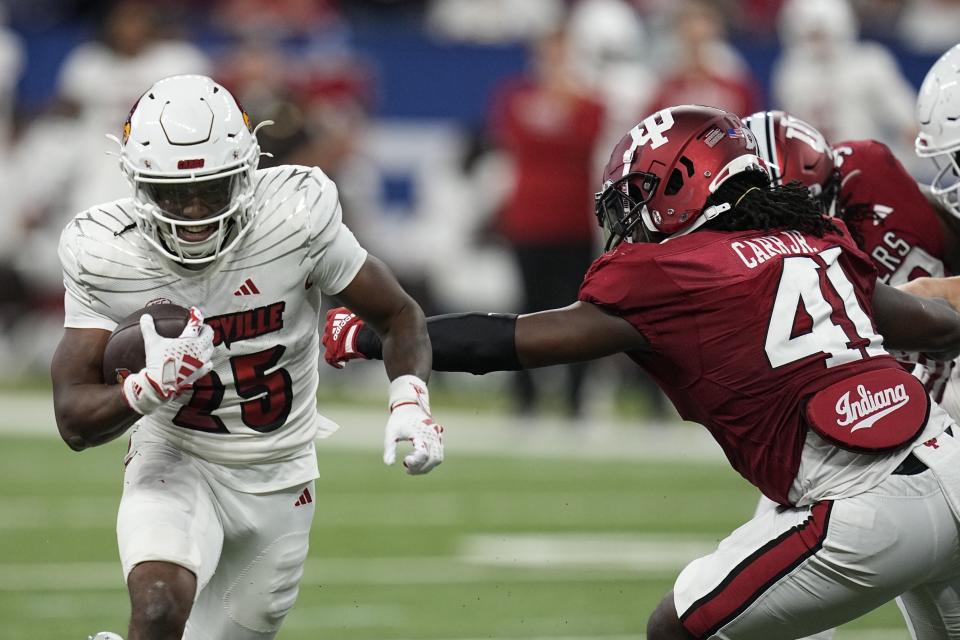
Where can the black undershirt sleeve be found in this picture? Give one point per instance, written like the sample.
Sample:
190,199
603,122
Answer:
476,343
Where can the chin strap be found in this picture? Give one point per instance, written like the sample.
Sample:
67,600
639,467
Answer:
708,214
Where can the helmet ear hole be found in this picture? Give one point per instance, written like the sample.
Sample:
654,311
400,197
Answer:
674,184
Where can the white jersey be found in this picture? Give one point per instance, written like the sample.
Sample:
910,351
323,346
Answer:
257,407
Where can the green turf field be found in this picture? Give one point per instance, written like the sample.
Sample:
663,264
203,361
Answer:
485,547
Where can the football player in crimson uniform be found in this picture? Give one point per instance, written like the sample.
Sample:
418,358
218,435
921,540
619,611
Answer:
862,182
218,489
761,320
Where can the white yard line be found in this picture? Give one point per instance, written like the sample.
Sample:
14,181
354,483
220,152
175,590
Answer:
482,559
31,414
436,508
643,554
81,576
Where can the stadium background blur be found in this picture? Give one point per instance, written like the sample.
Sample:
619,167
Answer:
550,519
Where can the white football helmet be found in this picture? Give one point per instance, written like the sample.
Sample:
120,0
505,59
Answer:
938,116
189,152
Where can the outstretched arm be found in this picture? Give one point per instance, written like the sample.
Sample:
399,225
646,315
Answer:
581,331
483,342
911,323
945,289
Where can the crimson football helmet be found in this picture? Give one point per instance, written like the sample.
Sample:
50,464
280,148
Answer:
661,173
795,150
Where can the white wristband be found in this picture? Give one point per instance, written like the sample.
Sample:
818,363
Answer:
409,390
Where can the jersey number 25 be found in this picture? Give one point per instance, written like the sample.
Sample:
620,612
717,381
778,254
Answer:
269,396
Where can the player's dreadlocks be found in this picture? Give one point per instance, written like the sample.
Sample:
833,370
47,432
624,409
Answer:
757,205
854,213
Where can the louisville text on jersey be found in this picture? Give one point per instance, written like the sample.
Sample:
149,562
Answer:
245,325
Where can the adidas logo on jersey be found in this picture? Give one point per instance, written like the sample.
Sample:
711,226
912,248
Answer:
247,289
305,498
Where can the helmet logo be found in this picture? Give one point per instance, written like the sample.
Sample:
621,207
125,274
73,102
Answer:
804,132
126,123
650,130
196,163
243,112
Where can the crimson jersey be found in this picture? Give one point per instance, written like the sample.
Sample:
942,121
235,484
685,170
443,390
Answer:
744,326
900,231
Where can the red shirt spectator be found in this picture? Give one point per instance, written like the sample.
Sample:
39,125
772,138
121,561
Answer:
550,139
708,70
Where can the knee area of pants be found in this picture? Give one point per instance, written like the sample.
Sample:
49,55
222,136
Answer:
266,590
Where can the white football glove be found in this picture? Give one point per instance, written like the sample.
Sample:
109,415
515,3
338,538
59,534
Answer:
172,364
410,420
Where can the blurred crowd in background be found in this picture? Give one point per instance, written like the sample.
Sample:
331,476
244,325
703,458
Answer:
466,136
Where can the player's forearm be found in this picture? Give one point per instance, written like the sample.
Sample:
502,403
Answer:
91,414
475,343
912,323
405,345
944,288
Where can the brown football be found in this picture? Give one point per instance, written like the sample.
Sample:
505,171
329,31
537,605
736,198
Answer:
124,350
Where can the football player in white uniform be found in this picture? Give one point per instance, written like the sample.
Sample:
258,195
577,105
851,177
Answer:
221,466
937,113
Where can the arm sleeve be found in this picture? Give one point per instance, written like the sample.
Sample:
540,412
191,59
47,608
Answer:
335,251
81,309
475,343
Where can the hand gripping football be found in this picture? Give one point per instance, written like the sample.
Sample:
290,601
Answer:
124,351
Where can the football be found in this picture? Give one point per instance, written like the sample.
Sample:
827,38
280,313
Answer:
124,349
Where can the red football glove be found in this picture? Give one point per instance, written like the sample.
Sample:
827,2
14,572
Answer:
340,337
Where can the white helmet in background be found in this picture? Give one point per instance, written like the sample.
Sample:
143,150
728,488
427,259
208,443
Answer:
189,152
938,116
